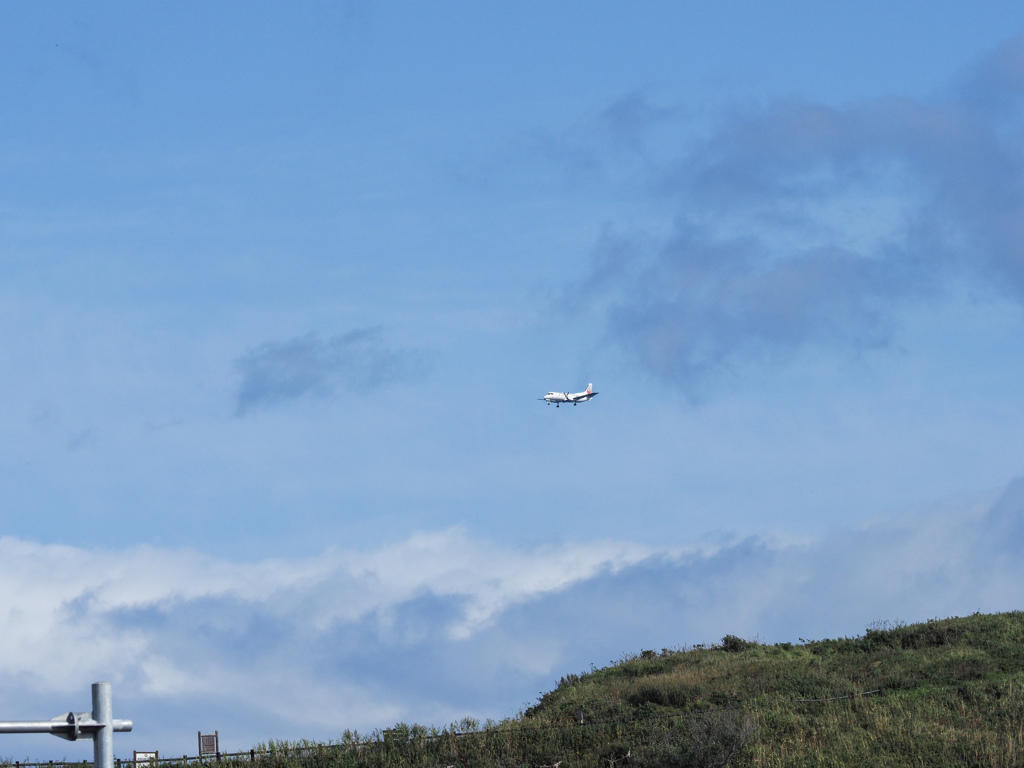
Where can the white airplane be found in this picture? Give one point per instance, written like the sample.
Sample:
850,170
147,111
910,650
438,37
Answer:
568,397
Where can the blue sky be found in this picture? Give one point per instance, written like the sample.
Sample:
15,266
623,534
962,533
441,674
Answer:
280,286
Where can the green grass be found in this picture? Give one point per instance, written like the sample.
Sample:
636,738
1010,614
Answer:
949,693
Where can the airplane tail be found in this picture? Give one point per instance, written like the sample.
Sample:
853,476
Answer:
590,388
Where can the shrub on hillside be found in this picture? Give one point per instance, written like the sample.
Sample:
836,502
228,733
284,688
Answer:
734,644
709,740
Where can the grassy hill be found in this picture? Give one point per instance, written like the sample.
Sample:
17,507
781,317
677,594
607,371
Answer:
942,693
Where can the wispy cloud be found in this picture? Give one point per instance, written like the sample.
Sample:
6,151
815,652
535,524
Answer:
318,642
802,226
309,366
442,625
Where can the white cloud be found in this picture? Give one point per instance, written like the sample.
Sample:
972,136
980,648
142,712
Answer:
60,600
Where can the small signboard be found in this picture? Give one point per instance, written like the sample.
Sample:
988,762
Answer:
209,743
146,758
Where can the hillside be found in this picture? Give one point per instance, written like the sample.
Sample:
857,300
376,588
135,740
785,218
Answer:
941,693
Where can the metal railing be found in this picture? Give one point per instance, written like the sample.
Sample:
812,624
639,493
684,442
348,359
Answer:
252,756
98,725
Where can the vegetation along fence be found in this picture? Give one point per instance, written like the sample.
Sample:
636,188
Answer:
275,752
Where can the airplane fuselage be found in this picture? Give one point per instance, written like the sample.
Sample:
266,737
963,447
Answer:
569,397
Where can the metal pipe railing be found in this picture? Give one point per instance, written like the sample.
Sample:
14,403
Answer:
98,725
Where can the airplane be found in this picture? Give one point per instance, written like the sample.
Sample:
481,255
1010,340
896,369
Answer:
568,397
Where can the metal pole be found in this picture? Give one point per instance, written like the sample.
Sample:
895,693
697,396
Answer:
102,713
97,725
